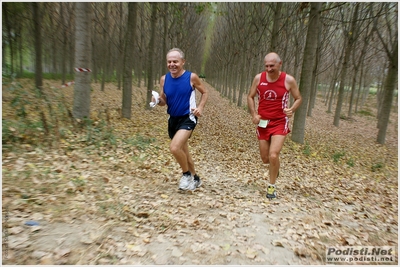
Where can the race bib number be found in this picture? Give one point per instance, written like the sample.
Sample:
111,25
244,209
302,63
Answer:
263,123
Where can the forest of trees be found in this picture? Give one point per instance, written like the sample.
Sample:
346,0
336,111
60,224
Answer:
343,50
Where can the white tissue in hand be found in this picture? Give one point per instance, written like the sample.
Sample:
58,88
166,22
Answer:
156,98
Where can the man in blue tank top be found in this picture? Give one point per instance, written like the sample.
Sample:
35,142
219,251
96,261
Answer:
178,93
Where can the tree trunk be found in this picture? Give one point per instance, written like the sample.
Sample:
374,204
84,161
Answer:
314,81
349,46
20,51
352,94
165,34
128,61
359,89
153,21
310,51
389,87
242,82
105,55
120,56
9,35
64,44
141,64
37,20
275,28
81,106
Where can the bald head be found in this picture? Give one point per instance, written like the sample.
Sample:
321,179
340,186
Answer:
272,57
273,64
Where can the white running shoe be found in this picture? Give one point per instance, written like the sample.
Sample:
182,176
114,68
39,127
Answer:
186,182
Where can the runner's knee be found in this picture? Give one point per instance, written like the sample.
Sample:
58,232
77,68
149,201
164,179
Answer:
274,156
174,149
265,159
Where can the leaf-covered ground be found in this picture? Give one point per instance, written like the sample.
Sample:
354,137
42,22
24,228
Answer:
115,200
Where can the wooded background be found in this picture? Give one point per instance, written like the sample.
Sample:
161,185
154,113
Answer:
344,51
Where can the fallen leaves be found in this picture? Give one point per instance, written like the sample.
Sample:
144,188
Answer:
133,186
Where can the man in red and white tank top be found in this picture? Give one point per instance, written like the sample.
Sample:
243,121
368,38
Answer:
272,87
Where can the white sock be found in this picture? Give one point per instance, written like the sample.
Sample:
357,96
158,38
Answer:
273,185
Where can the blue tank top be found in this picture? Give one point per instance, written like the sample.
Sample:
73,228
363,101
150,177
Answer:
180,94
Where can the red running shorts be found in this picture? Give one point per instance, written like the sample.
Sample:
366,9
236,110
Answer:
274,127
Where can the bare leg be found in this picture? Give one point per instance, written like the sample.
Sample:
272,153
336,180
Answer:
189,158
264,150
179,149
275,148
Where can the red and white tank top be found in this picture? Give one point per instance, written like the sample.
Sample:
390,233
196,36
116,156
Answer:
272,97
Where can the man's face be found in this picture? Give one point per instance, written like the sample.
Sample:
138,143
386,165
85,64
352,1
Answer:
271,66
175,62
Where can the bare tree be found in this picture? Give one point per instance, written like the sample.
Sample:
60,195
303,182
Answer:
349,43
37,19
63,42
310,52
8,27
390,44
150,74
81,105
358,59
241,35
105,47
128,61
275,28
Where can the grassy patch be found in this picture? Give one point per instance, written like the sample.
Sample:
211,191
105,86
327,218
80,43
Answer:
337,156
307,149
366,113
377,167
140,142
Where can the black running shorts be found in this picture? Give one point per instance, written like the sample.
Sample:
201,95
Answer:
187,122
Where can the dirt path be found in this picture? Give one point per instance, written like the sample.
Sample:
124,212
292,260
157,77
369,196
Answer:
129,210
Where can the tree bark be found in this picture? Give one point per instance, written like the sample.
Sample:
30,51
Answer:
37,20
153,21
389,87
81,105
128,61
310,51
275,28
105,56
348,47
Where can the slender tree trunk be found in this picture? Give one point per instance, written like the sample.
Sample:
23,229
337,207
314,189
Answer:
242,76
141,62
349,46
359,90
94,55
275,28
20,52
54,49
389,87
352,94
37,19
120,56
64,44
9,35
153,21
105,55
314,81
165,34
310,51
81,105
129,59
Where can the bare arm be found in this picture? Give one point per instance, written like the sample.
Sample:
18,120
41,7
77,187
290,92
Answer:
250,99
194,78
291,85
163,98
